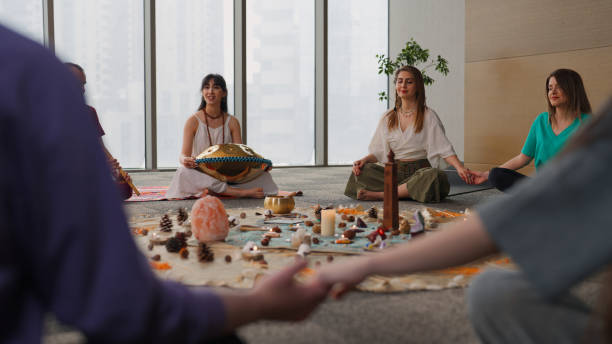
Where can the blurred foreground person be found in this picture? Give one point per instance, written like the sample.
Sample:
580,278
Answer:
67,249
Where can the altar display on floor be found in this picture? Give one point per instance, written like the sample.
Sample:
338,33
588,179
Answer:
259,242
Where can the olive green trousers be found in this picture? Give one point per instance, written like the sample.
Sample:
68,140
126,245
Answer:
424,183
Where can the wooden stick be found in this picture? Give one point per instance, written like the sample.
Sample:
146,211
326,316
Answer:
249,228
122,172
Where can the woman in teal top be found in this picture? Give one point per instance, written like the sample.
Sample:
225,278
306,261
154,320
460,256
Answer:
568,108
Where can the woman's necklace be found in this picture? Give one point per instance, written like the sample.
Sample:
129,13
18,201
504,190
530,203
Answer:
208,129
407,113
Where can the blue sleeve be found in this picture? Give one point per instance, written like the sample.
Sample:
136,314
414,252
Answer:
70,230
529,148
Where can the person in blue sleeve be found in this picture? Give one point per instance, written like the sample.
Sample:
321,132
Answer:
66,245
568,109
555,227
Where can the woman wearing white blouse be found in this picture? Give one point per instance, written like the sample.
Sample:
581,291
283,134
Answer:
416,135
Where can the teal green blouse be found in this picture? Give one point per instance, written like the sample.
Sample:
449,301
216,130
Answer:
542,144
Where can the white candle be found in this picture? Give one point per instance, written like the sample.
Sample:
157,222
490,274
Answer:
328,222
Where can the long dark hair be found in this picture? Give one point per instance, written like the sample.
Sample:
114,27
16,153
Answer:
392,116
571,84
217,81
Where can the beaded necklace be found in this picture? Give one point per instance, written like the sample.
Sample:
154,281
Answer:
208,130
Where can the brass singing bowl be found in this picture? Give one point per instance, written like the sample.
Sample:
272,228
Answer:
279,204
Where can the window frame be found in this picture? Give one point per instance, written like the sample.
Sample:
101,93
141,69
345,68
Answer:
240,87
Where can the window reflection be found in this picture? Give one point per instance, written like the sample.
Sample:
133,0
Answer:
106,37
194,38
357,31
23,16
280,80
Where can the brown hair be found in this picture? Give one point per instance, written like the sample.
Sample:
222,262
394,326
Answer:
392,116
571,84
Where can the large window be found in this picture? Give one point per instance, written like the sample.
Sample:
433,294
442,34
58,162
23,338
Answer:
106,37
194,38
280,80
357,31
23,16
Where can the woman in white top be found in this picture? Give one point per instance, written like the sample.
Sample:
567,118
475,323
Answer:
416,136
212,125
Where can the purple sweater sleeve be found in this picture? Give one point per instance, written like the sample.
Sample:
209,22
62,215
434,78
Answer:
78,259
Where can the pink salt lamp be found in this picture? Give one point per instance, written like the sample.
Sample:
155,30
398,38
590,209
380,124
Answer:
209,219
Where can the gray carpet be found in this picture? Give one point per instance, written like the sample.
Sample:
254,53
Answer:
410,317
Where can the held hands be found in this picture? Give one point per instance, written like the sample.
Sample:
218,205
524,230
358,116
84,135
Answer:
466,175
357,166
479,177
343,277
188,162
280,297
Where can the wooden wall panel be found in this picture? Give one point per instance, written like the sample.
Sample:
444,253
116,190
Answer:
504,96
502,28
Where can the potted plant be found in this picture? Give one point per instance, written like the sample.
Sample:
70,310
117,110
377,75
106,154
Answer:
411,55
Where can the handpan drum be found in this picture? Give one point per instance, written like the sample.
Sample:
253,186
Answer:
232,163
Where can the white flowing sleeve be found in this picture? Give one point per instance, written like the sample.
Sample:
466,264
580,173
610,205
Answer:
437,144
379,146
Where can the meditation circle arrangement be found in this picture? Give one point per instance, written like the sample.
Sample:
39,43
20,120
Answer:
232,163
215,246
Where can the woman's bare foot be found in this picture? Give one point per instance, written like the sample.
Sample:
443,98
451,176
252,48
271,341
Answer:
244,193
254,193
366,195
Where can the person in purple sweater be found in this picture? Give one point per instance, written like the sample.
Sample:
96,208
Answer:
67,248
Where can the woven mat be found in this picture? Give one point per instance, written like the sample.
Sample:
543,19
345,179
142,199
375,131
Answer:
149,193
158,193
239,273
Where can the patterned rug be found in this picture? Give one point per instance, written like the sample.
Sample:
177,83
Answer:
149,193
158,193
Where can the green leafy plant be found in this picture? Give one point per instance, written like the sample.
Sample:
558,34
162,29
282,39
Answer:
411,55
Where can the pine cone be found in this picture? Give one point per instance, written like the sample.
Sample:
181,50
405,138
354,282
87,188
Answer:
373,213
174,245
205,254
182,216
165,225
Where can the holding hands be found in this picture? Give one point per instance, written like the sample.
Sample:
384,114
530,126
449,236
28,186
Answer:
479,177
282,298
342,277
465,174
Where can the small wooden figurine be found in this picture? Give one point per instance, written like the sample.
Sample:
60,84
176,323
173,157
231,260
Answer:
390,203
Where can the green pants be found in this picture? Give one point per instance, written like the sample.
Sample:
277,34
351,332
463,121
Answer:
424,183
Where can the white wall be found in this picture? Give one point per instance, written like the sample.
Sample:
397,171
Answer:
437,25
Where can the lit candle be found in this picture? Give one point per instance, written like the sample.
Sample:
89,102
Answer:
250,252
328,222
